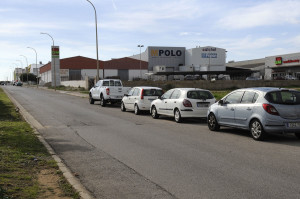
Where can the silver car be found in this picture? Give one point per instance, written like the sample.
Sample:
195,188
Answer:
260,110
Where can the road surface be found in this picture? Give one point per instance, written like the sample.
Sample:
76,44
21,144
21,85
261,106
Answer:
120,155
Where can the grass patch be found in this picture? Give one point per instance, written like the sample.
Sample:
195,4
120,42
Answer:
68,88
22,156
220,94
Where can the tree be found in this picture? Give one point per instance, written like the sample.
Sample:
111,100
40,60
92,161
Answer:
31,77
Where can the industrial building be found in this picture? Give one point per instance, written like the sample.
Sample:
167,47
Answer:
276,67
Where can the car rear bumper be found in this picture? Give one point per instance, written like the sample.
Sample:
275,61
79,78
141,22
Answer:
287,126
193,113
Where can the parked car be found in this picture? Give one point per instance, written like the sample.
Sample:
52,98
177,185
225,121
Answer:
252,78
290,77
279,78
18,84
182,103
140,98
260,110
107,91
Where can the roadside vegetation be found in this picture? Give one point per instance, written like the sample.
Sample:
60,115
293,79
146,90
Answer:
25,164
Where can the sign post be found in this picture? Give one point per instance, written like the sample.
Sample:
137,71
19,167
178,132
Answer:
55,66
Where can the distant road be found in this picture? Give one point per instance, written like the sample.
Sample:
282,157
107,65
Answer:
120,155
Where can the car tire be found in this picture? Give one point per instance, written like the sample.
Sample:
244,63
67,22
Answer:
91,100
154,112
212,122
257,130
102,101
123,109
297,135
177,116
136,109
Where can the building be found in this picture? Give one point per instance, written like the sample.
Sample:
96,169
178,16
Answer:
272,67
78,68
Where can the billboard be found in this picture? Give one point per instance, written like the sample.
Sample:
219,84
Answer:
166,56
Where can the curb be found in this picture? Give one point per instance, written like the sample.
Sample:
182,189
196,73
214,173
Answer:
83,192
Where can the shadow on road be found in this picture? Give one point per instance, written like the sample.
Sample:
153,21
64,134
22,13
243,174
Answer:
287,139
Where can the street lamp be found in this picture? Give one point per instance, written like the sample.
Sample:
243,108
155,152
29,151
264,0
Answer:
26,67
97,77
140,46
37,73
53,59
21,68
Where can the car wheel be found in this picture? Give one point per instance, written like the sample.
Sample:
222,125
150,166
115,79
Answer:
123,107
177,116
212,122
154,112
91,100
297,135
257,131
102,101
136,109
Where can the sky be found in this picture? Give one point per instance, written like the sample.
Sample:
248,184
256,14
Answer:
247,29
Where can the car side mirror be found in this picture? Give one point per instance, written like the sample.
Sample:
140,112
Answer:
126,95
221,102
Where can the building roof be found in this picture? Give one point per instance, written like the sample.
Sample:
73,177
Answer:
77,62
80,62
125,63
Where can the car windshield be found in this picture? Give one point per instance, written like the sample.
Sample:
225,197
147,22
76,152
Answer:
153,92
284,97
197,94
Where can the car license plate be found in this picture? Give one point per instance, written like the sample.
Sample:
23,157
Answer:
202,104
293,125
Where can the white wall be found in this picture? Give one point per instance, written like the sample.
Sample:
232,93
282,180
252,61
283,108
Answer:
46,77
206,56
75,83
136,74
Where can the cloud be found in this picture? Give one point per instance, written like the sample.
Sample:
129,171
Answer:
276,12
151,18
114,4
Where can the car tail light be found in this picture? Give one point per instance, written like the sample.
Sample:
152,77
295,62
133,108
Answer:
270,109
142,94
107,91
187,103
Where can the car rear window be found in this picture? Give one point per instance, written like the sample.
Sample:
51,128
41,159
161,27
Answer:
284,97
153,92
199,95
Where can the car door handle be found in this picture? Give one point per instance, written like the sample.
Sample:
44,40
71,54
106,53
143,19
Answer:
232,109
175,102
166,102
249,109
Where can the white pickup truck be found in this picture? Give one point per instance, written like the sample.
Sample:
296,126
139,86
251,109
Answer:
107,91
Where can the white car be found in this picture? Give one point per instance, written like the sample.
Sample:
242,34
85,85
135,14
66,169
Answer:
140,98
183,103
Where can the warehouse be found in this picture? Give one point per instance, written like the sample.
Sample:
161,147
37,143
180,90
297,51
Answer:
79,68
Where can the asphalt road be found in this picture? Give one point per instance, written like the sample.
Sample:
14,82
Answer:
120,155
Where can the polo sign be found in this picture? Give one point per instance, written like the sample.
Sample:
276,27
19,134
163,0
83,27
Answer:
166,53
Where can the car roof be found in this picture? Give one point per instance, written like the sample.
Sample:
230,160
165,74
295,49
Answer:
263,89
188,89
147,87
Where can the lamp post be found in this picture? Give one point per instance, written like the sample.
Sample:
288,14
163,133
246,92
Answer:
140,46
53,59
97,77
26,66
37,73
